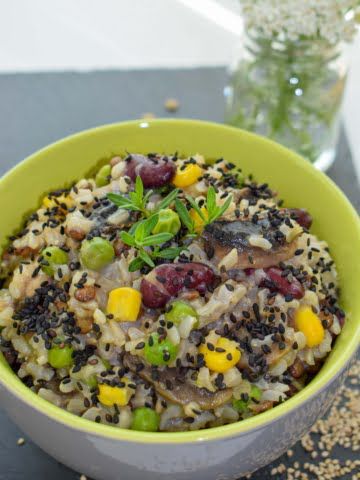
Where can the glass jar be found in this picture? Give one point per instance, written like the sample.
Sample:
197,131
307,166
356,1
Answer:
290,92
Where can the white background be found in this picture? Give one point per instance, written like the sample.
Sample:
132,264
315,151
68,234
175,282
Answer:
47,35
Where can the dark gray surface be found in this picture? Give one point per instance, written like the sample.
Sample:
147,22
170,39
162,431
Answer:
37,109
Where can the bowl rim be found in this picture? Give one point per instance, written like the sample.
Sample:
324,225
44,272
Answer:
13,384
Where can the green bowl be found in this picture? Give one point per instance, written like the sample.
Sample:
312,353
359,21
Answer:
222,452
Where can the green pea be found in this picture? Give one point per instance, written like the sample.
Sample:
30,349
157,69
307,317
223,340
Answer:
168,222
145,419
96,253
159,352
53,256
60,357
240,405
255,393
106,363
178,310
101,178
91,381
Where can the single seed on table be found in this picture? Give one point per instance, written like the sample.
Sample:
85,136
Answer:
20,441
148,115
171,104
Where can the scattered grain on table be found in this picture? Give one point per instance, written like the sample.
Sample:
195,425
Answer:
20,441
330,441
172,105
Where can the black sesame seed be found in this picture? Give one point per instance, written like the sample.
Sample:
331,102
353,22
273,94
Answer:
189,419
232,318
36,271
257,312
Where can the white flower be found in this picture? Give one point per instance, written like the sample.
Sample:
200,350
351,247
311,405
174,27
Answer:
329,20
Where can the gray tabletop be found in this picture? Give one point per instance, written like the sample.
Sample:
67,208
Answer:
37,109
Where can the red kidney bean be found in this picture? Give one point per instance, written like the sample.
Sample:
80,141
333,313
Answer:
153,296
302,216
132,161
249,271
276,283
154,172
168,280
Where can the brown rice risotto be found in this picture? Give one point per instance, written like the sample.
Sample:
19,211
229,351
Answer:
167,294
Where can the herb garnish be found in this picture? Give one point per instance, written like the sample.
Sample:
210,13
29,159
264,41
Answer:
211,213
142,237
140,234
137,201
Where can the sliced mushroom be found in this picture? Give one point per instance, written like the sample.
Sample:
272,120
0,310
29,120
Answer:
277,354
222,236
272,358
181,393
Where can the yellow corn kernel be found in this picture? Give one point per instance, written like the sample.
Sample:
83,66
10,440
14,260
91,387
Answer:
185,177
51,202
310,325
198,221
124,304
115,395
221,361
